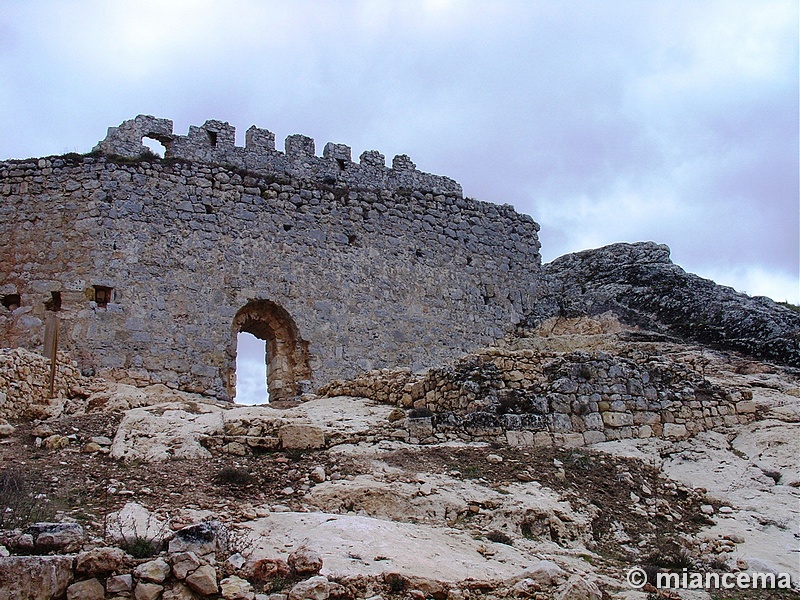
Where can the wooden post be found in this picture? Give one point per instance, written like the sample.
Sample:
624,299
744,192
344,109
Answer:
51,347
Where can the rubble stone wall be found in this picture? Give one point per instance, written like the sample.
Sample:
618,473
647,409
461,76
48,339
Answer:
148,261
25,384
529,398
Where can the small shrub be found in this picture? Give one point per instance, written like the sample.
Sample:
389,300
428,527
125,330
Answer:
140,547
233,476
20,503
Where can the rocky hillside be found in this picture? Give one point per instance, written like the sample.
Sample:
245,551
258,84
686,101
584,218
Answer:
644,288
642,416
152,493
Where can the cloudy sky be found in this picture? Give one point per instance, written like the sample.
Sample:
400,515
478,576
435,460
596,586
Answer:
673,120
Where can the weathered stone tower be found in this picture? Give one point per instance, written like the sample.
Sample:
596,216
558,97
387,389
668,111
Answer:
153,266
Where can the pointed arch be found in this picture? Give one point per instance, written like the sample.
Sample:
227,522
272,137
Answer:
288,371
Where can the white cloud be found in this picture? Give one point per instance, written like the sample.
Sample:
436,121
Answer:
757,281
620,120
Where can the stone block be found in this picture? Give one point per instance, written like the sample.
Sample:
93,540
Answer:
155,571
203,580
617,419
119,584
519,438
315,588
646,418
745,407
675,431
593,437
305,561
298,436
542,439
146,590
34,577
89,589
99,561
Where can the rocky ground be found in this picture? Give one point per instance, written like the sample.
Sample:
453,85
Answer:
391,519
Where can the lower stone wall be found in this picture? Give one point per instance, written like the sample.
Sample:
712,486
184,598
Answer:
25,384
529,398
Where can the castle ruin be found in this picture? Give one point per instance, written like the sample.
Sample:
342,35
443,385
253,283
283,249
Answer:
150,267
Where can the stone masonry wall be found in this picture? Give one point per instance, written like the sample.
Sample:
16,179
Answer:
528,398
148,262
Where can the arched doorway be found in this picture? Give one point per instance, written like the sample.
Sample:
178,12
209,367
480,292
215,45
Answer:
286,352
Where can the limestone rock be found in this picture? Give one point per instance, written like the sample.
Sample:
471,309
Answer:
34,577
315,588
61,537
644,288
146,590
119,584
90,589
579,588
203,580
6,428
184,563
299,436
133,522
200,538
154,571
178,592
99,561
167,431
266,570
305,561
545,573
236,588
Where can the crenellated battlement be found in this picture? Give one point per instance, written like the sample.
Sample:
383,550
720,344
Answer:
215,142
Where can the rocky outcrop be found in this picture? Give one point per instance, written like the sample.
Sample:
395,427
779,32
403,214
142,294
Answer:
644,288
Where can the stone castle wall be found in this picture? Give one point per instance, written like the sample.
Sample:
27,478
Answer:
153,265
533,398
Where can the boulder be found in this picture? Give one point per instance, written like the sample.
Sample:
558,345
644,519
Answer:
57,537
135,522
90,589
299,436
267,570
305,561
578,588
119,584
99,561
236,588
200,538
154,571
184,563
203,580
315,588
34,577
146,590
